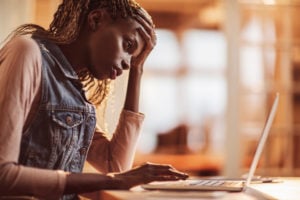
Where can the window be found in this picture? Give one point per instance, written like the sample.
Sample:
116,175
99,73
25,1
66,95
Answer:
184,82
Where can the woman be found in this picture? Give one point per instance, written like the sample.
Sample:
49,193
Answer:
48,130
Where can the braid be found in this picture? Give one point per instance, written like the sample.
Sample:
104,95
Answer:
97,91
67,24
68,20
71,14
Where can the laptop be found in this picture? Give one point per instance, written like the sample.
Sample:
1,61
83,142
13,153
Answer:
221,184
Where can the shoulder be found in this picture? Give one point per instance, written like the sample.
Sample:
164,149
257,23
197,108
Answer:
21,47
22,50
21,54
23,41
23,44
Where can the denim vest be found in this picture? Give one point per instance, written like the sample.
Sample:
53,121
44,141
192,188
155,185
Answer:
61,131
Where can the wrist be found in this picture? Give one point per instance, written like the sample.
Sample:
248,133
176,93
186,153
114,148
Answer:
138,71
113,181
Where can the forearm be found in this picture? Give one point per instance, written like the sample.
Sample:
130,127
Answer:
117,154
133,90
89,182
21,180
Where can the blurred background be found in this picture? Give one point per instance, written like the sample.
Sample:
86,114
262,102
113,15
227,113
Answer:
209,84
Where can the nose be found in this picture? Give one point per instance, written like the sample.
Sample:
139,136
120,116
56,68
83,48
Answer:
125,65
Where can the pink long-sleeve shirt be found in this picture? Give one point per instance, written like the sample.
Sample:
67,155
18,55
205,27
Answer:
20,79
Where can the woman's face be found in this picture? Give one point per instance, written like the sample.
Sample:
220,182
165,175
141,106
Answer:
111,47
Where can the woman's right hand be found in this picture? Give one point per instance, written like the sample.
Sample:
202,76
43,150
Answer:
147,173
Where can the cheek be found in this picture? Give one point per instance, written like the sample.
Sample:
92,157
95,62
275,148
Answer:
103,55
106,53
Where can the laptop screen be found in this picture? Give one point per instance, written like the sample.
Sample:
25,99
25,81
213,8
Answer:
262,140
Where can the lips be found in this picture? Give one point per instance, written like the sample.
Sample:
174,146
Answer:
115,71
119,71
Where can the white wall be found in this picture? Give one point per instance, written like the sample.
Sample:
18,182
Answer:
14,13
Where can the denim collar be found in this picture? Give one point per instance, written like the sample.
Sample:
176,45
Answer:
59,58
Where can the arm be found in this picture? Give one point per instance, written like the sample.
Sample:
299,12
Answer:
20,75
82,183
117,154
137,64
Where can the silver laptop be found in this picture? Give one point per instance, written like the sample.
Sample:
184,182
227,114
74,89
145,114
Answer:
219,184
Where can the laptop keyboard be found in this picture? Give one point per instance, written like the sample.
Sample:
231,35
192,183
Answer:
216,183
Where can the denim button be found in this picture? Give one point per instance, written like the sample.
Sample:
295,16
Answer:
69,120
82,151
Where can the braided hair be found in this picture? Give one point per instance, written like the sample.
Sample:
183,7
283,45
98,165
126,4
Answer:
66,26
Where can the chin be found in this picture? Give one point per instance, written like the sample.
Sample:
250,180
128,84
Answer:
98,76
101,77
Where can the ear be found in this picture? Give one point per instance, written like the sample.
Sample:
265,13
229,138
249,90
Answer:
96,18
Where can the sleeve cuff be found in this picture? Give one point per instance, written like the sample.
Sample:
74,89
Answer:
130,114
62,179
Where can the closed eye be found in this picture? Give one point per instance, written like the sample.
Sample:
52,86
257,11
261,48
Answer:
130,45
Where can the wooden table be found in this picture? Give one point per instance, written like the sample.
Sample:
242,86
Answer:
288,189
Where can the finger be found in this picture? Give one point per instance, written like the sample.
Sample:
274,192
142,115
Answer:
166,170
148,27
158,166
145,36
172,172
163,168
181,175
148,34
150,41
145,17
165,177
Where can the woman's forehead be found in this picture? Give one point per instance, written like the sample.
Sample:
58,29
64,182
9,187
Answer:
130,22
129,25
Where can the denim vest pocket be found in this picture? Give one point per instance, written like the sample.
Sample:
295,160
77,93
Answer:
67,137
67,119
53,144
